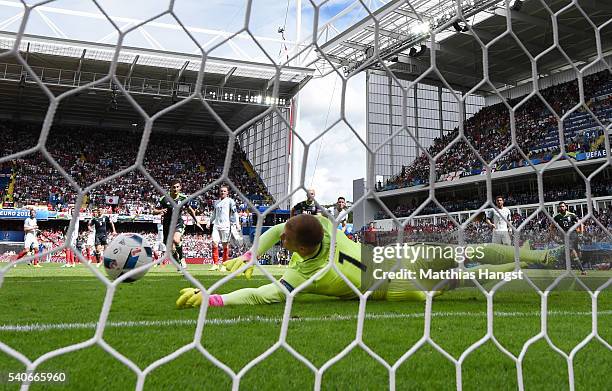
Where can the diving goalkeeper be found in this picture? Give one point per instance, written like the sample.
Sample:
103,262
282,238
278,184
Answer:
309,238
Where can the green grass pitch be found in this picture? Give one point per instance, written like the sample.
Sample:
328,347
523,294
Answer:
64,305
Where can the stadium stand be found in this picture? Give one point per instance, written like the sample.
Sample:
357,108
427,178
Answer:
536,230
197,245
89,155
536,129
599,187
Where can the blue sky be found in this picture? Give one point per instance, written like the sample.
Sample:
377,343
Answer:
335,160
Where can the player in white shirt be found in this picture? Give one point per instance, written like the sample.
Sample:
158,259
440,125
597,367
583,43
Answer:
339,212
30,246
90,243
498,220
224,218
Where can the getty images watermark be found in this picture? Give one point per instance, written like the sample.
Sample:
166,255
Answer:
433,263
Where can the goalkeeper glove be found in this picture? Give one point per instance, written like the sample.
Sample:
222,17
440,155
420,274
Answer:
234,264
192,297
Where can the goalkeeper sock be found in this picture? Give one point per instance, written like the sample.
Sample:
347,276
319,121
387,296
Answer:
215,301
215,254
21,254
225,252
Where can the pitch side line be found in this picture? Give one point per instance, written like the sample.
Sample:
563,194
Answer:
262,319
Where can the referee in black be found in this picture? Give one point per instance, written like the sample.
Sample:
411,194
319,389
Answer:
99,223
566,220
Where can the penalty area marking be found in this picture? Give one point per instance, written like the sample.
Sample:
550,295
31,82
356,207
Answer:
262,319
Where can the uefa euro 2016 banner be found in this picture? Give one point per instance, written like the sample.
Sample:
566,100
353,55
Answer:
589,155
43,214
22,214
11,236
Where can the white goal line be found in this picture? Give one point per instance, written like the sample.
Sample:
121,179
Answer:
262,319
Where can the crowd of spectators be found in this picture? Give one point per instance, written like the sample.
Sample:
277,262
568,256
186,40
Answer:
195,245
90,155
489,133
537,231
599,187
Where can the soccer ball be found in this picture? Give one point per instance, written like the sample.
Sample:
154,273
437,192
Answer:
127,252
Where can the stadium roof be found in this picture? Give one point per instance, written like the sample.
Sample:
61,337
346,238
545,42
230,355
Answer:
237,90
148,57
403,27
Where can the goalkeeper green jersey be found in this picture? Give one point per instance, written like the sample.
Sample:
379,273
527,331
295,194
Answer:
346,257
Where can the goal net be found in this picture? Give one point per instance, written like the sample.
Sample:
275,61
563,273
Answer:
467,100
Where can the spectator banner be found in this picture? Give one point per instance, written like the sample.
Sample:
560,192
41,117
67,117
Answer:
112,200
22,214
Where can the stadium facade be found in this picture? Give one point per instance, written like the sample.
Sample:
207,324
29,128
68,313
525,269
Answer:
431,111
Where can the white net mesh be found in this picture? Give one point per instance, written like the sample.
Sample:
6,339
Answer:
379,45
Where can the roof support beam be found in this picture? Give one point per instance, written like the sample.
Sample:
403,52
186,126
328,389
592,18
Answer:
227,76
180,72
132,66
388,33
270,83
409,14
81,60
354,45
27,53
